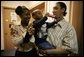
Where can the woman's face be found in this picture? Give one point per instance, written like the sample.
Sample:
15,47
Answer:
25,17
57,11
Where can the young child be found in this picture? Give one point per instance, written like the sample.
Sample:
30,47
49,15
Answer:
41,28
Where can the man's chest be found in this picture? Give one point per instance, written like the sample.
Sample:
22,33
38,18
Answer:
57,32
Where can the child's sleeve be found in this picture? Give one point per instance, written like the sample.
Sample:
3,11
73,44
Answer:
40,22
50,24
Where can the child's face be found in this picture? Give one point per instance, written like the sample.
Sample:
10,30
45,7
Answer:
38,15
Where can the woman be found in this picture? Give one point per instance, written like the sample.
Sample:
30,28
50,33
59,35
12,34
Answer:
21,34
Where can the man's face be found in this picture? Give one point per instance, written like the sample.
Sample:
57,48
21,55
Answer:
57,11
25,17
38,15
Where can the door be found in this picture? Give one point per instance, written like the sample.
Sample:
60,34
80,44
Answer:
77,22
6,23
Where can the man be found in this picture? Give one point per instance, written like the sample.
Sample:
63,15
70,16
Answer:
62,35
21,34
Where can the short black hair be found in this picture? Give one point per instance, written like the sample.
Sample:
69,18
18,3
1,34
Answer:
20,9
63,5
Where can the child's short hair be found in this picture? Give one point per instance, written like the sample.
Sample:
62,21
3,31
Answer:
35,11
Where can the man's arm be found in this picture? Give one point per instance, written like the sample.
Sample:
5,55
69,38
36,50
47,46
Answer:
69,44
56,52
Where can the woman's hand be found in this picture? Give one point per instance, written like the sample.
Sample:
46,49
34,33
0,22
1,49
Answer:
13,31
31,29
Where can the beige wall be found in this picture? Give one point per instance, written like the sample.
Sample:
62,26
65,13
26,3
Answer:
14,4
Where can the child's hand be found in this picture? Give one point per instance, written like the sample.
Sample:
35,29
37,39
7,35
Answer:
49,15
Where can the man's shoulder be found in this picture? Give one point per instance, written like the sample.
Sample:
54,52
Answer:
66,23
69,26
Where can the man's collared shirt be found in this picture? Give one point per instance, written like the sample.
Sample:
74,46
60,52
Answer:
63,35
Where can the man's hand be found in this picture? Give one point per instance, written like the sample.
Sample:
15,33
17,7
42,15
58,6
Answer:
43,52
